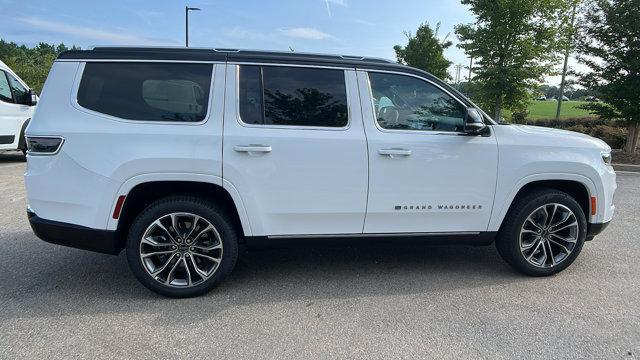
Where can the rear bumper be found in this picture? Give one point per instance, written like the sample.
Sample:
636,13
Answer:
79,237
595,229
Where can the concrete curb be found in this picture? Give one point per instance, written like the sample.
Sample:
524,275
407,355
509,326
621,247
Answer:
626,167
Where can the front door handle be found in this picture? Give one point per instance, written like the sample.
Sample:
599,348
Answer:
252,148
394,152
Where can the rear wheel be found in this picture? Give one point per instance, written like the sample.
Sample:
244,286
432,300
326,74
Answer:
543,233
182,246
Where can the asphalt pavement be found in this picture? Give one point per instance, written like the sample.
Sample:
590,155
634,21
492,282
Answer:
370,302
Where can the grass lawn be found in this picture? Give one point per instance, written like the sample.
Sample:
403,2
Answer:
547,110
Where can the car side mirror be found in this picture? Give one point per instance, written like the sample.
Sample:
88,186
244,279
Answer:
32,97
474,122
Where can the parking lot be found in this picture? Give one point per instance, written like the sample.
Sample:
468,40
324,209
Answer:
374,302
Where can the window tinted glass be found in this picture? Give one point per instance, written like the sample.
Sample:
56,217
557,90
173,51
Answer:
147,91
251,111
20,93
5,90
278,95
407,103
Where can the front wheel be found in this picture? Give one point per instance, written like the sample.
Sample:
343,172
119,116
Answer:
182,246
543,233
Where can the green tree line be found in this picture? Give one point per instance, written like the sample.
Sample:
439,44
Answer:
515,44
32,64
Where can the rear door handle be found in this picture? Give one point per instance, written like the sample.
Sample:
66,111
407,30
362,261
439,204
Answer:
252,148
394,152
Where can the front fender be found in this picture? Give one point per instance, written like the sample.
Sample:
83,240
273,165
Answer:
501,206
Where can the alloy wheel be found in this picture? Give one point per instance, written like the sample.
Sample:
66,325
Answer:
549,235
181,250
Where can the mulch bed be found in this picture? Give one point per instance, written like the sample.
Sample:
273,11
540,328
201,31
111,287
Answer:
620,157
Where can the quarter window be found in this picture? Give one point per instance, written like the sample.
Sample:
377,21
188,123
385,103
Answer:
147,91
408,103
280,95
5,90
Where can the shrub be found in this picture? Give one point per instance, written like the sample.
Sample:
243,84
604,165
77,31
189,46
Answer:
614,136
612,132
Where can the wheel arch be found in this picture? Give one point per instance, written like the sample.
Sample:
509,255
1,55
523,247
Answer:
22,141
142,190
579,187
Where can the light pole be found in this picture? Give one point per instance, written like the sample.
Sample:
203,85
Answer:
186,23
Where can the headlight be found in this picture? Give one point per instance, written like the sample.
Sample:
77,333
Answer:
606,157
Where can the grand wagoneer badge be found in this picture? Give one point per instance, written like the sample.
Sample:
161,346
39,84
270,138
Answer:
438,207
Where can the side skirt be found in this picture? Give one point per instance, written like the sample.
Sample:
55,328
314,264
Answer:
463,238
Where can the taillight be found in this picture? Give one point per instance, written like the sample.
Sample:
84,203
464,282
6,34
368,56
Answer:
44,145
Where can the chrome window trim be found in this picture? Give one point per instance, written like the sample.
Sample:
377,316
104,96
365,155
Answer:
77,106
372,235
290,127
426,132
141,60
262,63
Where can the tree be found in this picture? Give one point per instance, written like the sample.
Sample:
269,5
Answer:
610,48
514,44
568,46
425,51
31,64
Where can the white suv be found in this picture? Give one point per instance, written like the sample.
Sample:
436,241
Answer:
180,155
17,103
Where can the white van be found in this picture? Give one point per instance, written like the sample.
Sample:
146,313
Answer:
178,156
17,103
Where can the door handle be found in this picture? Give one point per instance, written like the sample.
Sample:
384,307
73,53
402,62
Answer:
394,152
252,148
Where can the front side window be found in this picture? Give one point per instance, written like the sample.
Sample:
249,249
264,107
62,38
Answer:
5,89
20,93
407,103
147,91
295,96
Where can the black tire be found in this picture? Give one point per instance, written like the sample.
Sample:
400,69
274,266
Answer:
22,143
216,216
508,240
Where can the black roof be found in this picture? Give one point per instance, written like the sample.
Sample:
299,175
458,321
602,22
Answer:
248,56
200,54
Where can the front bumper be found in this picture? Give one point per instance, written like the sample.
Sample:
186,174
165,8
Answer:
76,236
595,229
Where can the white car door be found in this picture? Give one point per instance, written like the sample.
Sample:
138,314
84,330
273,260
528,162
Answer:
426,176
295,149
13,110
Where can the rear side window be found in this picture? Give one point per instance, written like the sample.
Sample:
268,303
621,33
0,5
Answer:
294,96
147,91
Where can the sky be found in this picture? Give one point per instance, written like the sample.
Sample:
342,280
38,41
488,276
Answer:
347,27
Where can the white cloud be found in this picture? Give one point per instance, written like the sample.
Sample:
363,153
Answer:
363,22
90,33
238,32
305,33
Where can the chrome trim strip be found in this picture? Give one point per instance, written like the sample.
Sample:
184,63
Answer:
321,236
331,67
141,60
